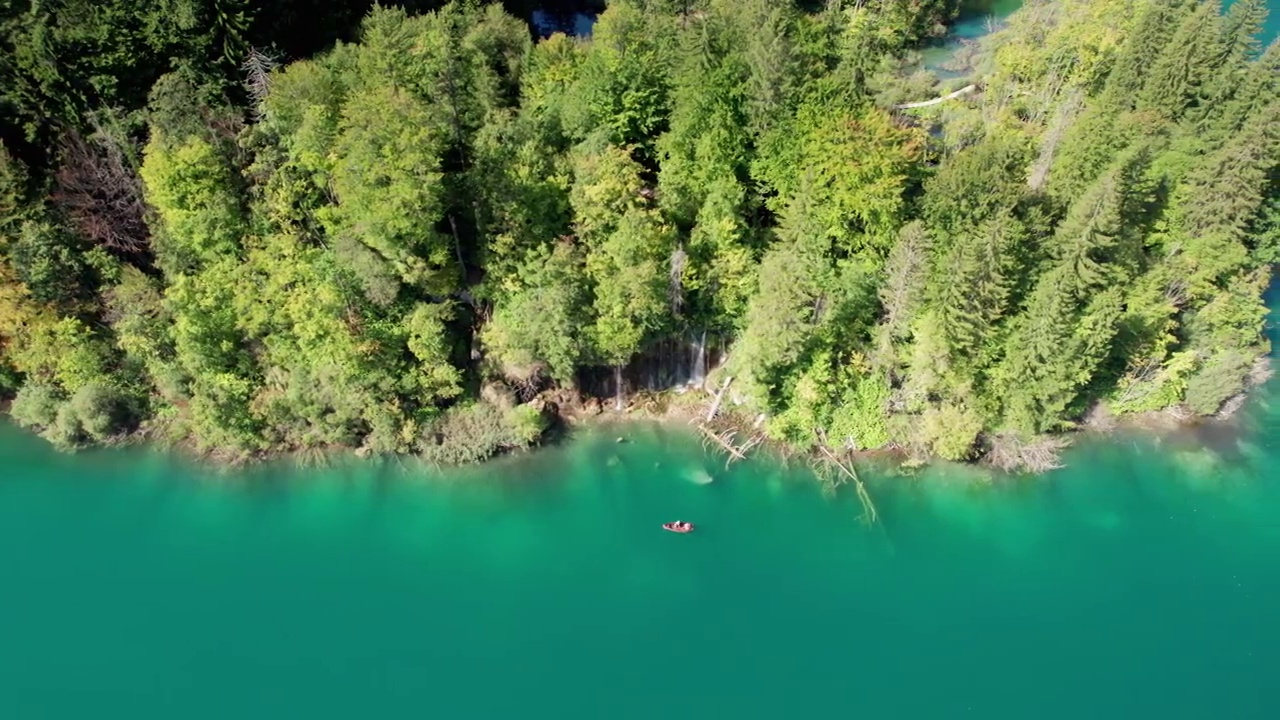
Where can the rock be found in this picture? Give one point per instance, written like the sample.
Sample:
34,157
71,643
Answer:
363,452
621,440
498,394
548,410
591,406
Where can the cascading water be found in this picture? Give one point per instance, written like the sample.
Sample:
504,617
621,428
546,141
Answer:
618,403
699,375
671,363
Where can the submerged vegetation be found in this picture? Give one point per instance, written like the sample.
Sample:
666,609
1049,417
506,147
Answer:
249,255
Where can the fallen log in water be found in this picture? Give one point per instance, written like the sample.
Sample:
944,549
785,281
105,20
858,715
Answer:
725,441
869,513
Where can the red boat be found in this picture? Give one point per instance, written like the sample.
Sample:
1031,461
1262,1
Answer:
678,526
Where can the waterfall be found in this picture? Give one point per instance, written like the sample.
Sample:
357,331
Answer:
617,388
678,362
699,374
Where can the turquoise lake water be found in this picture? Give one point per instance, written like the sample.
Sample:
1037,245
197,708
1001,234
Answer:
1141,581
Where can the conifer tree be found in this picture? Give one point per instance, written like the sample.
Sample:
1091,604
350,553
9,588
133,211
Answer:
1245,94
1183,75
974,286
1157,21
787,308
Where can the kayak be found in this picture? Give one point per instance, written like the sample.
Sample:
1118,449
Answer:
678,527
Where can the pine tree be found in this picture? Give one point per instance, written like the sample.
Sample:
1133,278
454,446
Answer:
1100,239
906,279
708,140
723,258
764,28
976,184
1149,38
1182,76
1253,87
631,276
1242,29
1054,352
783,315
623,86
974,286
1222,195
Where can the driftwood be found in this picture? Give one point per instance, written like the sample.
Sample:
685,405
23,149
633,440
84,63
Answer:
926,103
725,441
715,406
849,474
1011,453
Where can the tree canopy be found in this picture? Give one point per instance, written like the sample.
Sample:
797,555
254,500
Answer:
350,237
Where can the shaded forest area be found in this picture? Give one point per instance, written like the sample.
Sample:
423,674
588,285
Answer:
293,229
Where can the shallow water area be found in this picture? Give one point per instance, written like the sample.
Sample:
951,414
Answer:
1131,582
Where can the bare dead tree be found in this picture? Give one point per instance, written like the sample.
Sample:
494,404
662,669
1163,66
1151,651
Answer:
1177,292
1059,72
906,268
675,289
926,103
1062,119
99,190
257,78
527,387
1015,454
1140,380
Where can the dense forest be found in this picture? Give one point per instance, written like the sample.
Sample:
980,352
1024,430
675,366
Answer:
252,229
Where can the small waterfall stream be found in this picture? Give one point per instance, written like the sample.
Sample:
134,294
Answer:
619,401
699,374
666,364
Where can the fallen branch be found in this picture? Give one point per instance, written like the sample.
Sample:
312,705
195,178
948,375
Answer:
715,406
926,103
1011,453
869,514
725,442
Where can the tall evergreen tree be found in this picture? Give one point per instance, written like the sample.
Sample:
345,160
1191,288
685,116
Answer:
1183,74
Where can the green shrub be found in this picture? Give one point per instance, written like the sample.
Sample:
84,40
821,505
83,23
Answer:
101,411
96,413
527,424
861,414
66,433
10,380
478,431
1221,377
36,405
951,431
808,405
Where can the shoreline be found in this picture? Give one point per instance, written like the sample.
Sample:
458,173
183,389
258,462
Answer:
686,407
